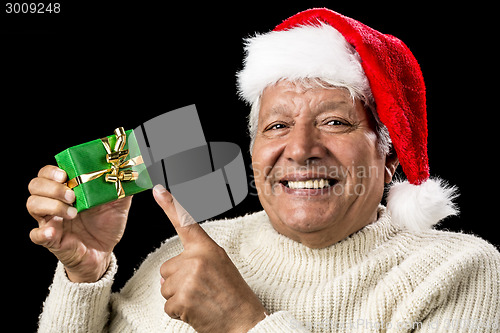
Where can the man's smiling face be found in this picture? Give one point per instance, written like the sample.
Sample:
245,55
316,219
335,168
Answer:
318,172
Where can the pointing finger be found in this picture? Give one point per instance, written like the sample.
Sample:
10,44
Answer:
186,227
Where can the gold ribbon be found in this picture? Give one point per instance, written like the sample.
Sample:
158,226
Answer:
116,158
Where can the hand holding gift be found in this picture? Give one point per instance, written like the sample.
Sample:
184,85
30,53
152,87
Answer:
100,172
83,242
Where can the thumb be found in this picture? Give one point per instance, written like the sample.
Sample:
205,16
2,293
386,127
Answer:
184,224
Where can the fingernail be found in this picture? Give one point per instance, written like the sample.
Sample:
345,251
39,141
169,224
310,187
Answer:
48,233
71,212
159,188
69,196
59,175
162,280
56,219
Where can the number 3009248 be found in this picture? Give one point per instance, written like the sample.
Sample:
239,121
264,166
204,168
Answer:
32,8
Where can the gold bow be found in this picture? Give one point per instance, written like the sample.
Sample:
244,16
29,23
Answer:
117,160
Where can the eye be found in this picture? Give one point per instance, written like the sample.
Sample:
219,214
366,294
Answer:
276,126
336,122
337,125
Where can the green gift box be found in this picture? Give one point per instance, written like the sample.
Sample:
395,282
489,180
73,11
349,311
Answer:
105,169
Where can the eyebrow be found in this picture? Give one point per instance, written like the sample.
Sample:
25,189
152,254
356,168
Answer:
327,105
278,109
333,105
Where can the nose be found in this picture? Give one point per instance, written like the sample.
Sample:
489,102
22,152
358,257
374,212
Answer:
304,145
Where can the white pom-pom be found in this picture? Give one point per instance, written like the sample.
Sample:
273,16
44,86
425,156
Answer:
420,207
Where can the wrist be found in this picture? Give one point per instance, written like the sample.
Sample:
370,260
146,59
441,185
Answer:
253,317
80,274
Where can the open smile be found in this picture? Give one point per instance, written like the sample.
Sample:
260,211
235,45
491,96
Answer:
307,185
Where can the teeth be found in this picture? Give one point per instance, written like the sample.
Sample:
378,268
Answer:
312,183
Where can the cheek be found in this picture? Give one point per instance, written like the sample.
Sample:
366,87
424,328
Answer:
359,157
264,157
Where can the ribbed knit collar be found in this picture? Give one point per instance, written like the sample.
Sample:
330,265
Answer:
267,252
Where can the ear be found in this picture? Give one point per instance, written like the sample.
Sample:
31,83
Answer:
391,163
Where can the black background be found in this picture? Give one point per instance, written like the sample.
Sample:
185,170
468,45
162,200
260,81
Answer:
72,77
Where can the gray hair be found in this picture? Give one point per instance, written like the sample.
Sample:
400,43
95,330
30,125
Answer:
384,143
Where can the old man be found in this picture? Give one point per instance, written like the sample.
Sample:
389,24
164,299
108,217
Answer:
335,107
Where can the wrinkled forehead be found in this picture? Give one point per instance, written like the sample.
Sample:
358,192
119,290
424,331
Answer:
291,98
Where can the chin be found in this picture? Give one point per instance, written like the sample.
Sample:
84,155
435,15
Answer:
307,220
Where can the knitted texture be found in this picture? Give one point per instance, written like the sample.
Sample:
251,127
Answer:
380,279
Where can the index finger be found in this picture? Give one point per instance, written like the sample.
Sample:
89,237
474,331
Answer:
188,230
52,172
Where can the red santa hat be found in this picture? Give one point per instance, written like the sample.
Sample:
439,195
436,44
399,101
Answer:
320,43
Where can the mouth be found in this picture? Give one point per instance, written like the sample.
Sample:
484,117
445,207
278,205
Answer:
313,183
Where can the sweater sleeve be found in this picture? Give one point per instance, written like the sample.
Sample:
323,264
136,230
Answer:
281,321
471,303
77,307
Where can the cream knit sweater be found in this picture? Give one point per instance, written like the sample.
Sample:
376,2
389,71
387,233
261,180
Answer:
379,279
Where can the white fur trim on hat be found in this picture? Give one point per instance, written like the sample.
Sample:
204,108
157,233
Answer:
318,51
420,207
